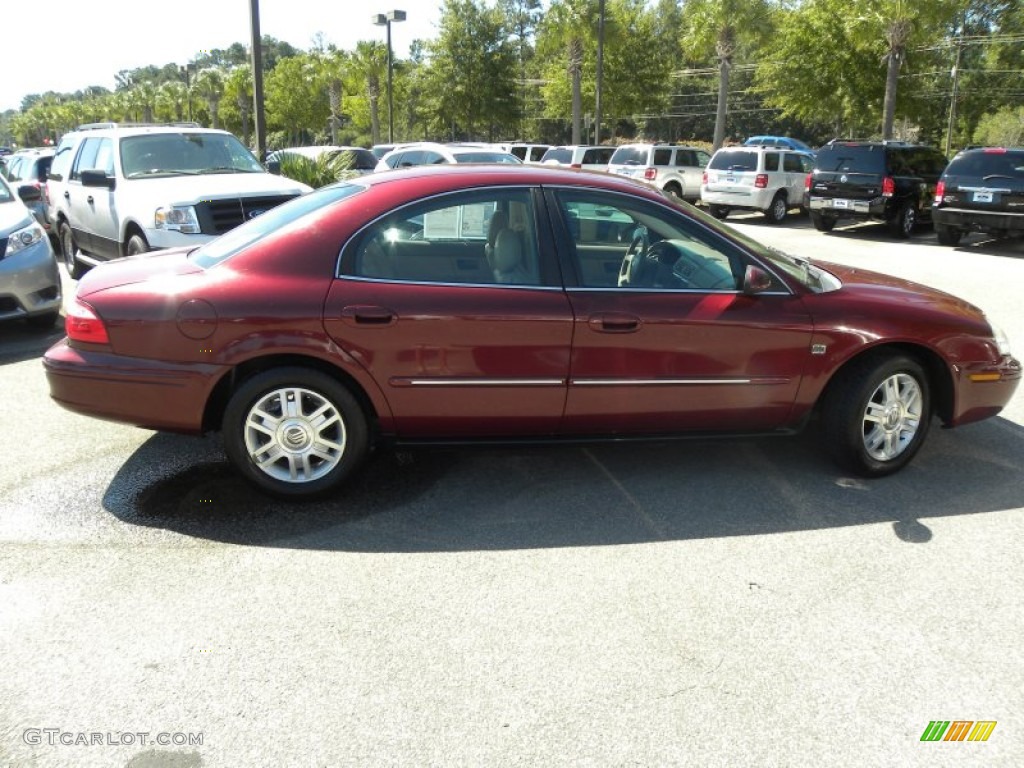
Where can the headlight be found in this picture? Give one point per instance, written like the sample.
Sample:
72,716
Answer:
23,238
179,218
1002,342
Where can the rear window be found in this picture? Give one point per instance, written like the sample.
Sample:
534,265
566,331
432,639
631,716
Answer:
630,156
558,155
734,160
851,158
599,156
982,164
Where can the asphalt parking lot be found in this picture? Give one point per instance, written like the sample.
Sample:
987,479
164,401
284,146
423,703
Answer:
716,603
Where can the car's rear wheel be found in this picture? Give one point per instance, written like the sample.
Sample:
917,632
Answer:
776,213
875,418
136,244
675,191
68,249
295,432
821,222
903,223
948,235
719,211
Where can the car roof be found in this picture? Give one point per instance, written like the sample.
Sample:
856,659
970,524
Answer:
463,176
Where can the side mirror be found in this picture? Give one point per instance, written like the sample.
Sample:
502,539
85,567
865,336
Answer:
755,280
274,166
29,193
96,178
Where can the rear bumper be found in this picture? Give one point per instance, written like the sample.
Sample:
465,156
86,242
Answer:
842,208
754,199
146,393
984,389
978,221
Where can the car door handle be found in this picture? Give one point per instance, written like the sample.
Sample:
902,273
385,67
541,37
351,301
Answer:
89,200
367,314
67,195
614,322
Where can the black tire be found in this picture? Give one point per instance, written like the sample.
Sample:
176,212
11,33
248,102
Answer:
43,322
900,424
136,244
821,222
902,225
948,235
719,211
68,248
296,437
776,213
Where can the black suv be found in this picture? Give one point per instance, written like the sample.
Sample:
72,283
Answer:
982,190
885,181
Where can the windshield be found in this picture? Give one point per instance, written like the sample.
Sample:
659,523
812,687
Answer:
851,158
227,245
185,154
810,275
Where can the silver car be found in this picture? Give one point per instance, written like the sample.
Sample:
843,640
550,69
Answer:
761,178
29,278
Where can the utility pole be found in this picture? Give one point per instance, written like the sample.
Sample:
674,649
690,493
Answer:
600,73
257,81
952,102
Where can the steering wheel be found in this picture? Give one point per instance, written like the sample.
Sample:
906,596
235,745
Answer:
634,258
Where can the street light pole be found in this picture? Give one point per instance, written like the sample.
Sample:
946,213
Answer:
384,20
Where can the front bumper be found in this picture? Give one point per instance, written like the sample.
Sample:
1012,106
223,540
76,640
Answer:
978,221
171,238
984,389
29,282
154,394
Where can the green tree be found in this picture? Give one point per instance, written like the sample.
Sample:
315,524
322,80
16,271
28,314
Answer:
473,70
209,85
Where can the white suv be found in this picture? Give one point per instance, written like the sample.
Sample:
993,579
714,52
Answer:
766,179
119,190
587,158
675,169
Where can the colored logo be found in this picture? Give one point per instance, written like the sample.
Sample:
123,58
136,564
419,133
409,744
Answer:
958,730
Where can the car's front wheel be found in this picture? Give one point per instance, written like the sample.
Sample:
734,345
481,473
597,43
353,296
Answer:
295,432
948,235
875,418
136,244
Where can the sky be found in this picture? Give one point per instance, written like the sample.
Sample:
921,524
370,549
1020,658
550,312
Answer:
84,44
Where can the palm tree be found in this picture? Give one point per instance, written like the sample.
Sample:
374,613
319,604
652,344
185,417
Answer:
369,65
238,86
209,84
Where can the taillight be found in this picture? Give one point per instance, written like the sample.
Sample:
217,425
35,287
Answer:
808,181
576,165
995,150
761,180
83,324
650,174
940,192
704,178
888,186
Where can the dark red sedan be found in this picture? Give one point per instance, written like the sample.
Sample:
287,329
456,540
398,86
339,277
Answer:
506,304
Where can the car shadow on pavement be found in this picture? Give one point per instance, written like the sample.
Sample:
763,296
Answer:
463,499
